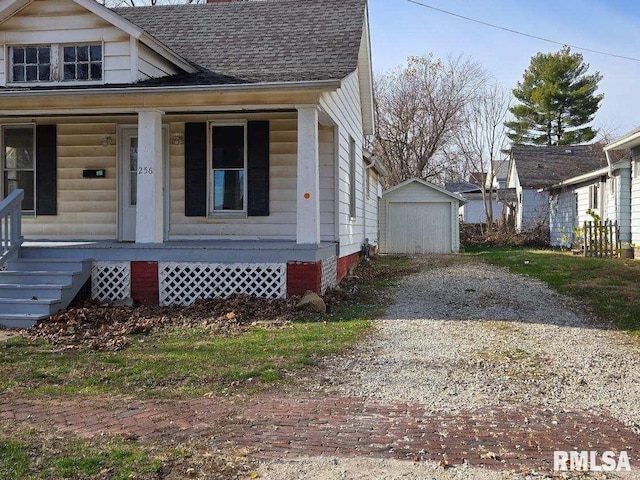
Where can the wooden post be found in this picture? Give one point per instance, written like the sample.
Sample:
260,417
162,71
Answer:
586,243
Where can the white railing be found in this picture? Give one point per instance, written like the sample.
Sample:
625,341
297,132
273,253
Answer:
10,226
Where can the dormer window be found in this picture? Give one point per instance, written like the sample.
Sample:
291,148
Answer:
56,63
82,62
31,64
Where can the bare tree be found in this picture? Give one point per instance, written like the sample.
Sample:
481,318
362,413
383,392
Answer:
420,109
136,3
482,140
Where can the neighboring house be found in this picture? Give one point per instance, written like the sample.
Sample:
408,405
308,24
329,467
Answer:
533,170
473,210
418,217
628,185
188,150
605,192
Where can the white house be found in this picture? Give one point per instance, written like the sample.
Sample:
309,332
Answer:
183,151
473,211
629,187
605,192
534,169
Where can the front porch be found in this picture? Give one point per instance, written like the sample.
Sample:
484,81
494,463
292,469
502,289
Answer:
181,272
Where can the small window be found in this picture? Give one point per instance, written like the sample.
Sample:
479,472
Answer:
19,163
51,63
352,178
229,166
82,62
636,169
595,193
31,64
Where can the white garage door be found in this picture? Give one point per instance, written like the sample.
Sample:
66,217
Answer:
419,228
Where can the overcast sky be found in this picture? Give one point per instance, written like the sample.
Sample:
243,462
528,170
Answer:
400,29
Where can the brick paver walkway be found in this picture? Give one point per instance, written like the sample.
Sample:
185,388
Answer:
277,426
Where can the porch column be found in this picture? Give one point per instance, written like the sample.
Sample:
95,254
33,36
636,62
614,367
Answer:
308,189
150,210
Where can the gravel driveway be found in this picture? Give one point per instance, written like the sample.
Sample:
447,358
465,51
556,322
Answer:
462,335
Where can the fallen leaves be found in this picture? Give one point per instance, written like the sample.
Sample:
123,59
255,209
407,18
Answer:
104,327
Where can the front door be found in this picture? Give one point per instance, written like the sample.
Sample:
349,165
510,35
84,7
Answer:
128,182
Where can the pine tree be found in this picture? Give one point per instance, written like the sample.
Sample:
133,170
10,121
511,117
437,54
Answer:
557,101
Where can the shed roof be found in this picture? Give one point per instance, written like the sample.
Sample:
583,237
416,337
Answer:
258,41
540,167
426,184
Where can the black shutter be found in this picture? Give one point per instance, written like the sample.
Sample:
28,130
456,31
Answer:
195,169
46,170
258,168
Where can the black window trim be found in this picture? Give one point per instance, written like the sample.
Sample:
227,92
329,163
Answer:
211,212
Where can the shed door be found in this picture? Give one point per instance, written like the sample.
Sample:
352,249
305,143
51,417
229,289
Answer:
419,228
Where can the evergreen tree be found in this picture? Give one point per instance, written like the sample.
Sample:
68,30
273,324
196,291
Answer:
557,101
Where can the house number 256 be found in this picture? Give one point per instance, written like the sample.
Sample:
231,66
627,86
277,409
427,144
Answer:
145,170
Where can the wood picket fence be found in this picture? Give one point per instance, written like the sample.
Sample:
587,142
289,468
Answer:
601,238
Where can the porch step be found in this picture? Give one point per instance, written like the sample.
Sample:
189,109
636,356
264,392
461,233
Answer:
33,289
45,291
8,320
30,306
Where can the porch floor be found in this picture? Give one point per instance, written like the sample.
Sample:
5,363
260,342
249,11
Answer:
222,251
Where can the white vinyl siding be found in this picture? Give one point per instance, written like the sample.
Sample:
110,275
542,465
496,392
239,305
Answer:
635,197
152,65
344,107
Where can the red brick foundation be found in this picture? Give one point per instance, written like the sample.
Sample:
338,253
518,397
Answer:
144,283
303,276
347,263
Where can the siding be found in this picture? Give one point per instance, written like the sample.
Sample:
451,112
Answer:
343,106
562,219
86,207
281,223
623,203
60,21
152,65
473,210
371,208
635,196
534,208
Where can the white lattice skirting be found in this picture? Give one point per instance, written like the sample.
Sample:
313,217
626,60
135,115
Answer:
182,283
329,274
110,281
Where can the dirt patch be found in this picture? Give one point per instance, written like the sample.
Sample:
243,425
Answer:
7,334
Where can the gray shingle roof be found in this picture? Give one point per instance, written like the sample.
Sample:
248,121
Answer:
258,41
462,187
540,167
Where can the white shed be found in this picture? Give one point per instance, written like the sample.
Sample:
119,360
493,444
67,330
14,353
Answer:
419,217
